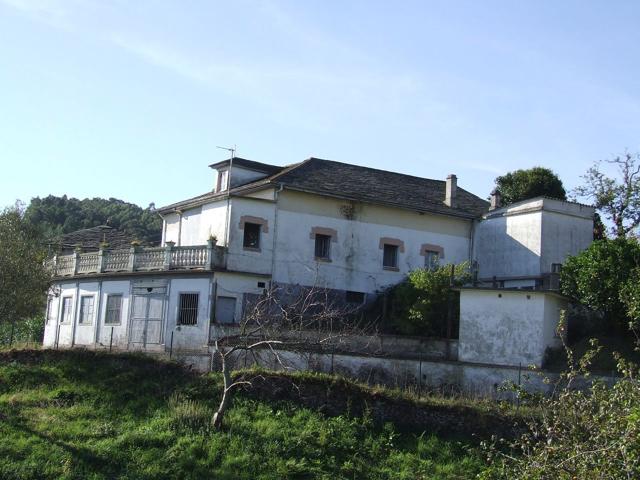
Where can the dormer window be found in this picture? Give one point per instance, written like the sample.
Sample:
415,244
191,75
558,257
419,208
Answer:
223,180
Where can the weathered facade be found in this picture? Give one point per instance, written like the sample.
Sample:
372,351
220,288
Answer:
350,229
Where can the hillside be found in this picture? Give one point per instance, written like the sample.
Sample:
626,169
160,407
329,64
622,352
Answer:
89,415
55,216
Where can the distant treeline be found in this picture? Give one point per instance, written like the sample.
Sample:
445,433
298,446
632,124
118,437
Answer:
55,216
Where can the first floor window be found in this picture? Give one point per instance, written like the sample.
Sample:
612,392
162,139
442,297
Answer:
113,310
251,235
65,313
390,256
188,309
323,246
431,259
86,309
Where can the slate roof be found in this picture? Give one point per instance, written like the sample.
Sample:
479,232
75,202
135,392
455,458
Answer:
353,182
90,238
250,164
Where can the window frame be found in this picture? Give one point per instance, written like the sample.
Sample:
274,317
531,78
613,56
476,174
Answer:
81,310
106,309
396,257
349,293
246,228
194,312
66,312
434,256
326,239
235,306
47,317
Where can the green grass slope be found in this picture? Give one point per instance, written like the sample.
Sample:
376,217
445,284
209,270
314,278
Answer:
88,415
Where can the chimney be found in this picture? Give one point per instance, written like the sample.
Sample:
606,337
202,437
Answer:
451,190
496,199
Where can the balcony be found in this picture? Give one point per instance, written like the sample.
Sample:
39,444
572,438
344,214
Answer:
139,259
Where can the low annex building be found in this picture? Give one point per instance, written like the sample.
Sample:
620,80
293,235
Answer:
351,229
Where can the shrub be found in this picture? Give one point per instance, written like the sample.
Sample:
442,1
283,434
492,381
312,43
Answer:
189,415
596,276
421,303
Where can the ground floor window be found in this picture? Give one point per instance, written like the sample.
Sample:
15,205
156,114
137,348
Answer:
86,309
65,313
113,310
188,309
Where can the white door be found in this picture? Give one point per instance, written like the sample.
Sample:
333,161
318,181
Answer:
147,319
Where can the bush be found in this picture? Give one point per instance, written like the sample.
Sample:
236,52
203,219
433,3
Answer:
596,276
420,304
579,434
30,330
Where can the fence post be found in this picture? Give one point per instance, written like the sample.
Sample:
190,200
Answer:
171,346
168,246
111,340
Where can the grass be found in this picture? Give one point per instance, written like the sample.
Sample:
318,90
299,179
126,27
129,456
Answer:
87,415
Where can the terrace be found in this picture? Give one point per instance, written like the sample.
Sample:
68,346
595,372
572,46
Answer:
139,259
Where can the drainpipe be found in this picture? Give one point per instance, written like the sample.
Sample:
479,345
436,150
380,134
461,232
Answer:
74,320
96,329
179,212
275,231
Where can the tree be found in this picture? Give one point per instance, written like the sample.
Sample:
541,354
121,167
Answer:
299,320
596,276
533,182
55,216
618,198
420,305
23,277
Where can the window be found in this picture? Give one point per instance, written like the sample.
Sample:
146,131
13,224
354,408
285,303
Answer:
431,259
223,176
188,309
226,310
49,306
65,314
390,256
251,236
355,297
86,309
323,246
113,310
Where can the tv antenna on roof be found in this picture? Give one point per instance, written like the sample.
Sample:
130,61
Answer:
228,149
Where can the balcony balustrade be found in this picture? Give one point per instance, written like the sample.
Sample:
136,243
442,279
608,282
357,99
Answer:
139,259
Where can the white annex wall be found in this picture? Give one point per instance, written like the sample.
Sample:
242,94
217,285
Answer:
65,329
509,245
503,327
563,235
51,320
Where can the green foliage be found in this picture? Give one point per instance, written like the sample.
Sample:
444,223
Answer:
630,297
29,330
597,276
618,197
23,277
581,434
421,303
533,182
59,215
88,415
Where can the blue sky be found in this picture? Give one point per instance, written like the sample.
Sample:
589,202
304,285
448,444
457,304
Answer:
130,99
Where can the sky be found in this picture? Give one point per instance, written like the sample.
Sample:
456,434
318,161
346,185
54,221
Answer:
129,99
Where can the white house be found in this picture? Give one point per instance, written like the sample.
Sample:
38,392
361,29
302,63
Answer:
351,229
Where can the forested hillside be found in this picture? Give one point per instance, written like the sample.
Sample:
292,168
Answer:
55,216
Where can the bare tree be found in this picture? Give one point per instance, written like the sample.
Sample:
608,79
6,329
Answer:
300,320
617,198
